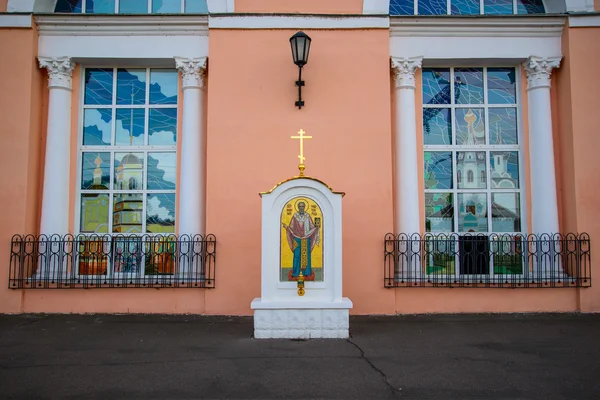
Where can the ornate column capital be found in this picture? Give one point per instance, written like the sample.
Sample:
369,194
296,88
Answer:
538,71
193,71
404,71
60,71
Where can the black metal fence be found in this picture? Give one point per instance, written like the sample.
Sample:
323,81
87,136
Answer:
494,261
96,261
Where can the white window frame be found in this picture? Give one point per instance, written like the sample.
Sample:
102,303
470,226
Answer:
487,148
145,149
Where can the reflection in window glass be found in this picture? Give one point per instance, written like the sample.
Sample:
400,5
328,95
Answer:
68,6
127,212
504,167
100,6
160,213
129,170
464,7
166,6
94,213
163,86
471,164
436,86
472,212
133,6
470,126
498,7
161,171
432,7
97,126
438,170
468,86
530,7
506,212
131,86
501,86
162,126
95,171
402,7
437,126
98,86
439,212
129,130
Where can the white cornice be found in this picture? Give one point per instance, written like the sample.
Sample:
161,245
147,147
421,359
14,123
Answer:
300,21
122,25
477,26
583,21
15,21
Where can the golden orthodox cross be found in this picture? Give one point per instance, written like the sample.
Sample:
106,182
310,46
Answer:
301,137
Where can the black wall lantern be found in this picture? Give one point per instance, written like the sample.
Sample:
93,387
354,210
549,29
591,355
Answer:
300,43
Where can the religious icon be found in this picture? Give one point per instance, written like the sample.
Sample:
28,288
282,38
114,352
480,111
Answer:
301,241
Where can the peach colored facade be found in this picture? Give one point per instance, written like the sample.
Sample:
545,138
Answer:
248,103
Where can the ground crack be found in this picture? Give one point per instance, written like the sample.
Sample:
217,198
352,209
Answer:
380,372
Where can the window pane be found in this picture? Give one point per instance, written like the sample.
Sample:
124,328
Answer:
131,86
506,212
438,170
436,86
129,169
163,86
501,86
498,6
97,126
439,212
100,7
472,212
162,126
530,7
503,125
125,135
94,213
166,6
93,254
127,213
470,126
160,213
508,254
471,170
133,6
432,7
504,167
98,86
95,171
468,86
437,126
68,6
401,7
161,171
464,7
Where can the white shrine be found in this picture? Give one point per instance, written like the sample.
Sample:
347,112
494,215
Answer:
301,268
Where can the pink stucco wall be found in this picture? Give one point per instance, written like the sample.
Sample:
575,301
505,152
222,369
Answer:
3,4
303,7
579,120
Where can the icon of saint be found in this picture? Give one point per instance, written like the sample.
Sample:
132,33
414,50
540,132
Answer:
302,236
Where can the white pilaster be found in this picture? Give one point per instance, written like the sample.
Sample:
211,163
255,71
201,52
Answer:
193,141
406,185
55,200
544,209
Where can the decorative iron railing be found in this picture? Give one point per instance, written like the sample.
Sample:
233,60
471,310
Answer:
95,261
493,261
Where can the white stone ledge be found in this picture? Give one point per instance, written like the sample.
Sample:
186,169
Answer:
300,303
270,21
15,21
301,323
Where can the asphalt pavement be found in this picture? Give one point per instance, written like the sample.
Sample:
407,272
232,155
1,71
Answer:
508,356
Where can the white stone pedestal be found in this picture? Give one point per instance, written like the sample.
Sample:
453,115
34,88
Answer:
280,313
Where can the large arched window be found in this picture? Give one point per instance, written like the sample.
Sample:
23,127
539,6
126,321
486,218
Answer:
131,6
466,7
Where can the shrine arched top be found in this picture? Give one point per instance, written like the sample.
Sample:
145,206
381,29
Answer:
467,7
